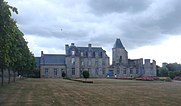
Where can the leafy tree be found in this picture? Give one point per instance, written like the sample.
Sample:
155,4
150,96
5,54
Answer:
163,72
86,74
14,52
173,66
6,29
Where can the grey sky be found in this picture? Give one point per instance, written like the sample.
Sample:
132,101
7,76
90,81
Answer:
136,22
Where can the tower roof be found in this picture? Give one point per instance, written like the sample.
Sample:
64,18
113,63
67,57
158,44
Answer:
118,44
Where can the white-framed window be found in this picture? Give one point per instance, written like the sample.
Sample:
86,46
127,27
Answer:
73,61
89,61
82,54
73,52
82,62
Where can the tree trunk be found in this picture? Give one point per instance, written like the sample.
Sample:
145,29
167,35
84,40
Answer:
2,80
9,76
14,75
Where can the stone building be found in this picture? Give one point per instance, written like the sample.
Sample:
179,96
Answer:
74,62
96,61
124,67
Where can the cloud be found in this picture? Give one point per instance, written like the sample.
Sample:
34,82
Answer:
136,22
117,6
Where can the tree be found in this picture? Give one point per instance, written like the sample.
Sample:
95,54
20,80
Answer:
86,74
163,72
6,31
14,52
63,74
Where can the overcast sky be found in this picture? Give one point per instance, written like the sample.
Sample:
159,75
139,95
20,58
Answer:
147,28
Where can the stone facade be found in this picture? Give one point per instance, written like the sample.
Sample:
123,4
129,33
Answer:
95,60
124,67
52,71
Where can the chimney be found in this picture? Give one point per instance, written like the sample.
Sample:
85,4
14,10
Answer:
72,44
41,53
89,45
66,49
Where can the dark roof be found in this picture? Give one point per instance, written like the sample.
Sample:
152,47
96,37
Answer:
93,49
118,44
53,59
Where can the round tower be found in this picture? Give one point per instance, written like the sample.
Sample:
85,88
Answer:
119,54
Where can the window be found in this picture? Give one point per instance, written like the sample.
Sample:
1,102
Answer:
82,54
120,59
73,53
89,61
55,71
96,54
81,71
82,62
97,71
131,71
137,71
96,62
118,71
124,71
73,71
73,61
46,71
103,71
103,62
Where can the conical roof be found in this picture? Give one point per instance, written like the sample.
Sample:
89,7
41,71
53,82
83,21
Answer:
118,44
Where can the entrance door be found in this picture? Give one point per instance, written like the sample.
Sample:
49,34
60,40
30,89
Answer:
111,73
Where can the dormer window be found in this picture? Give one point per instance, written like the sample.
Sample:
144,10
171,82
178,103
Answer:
73,61
82,54
73,53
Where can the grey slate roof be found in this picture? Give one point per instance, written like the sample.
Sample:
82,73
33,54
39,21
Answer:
118,44
93,49
53,59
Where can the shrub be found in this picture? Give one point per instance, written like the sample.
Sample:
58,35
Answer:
86,74
168,79
63,74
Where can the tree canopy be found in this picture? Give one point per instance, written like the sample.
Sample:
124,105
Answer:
170,70
14,52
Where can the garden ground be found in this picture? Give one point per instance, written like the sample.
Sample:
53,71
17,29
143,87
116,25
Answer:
102,92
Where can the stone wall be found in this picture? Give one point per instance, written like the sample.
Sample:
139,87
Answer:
51,71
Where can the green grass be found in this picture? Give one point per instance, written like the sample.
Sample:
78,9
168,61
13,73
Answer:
57,92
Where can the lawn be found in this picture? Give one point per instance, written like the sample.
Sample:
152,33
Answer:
110,92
